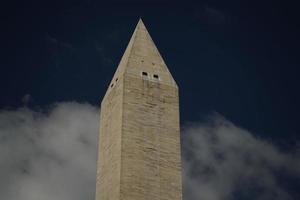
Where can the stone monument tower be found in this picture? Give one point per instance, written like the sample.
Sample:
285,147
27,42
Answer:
139,144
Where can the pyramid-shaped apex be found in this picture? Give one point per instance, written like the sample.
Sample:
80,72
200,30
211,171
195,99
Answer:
141,28
142,57
141,23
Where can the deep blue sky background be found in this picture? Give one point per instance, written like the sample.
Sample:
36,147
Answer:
237,58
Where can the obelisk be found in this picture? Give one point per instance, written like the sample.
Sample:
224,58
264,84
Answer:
139,142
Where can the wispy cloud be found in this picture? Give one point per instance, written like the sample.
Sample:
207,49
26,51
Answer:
51,154
224,161
58,43
211,15
103,54
48,155
26,99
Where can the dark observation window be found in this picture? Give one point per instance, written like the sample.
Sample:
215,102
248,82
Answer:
144,73
155,76
111,85
117,79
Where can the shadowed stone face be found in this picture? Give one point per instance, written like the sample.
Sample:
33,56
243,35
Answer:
139,150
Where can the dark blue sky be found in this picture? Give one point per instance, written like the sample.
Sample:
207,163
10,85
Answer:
237,58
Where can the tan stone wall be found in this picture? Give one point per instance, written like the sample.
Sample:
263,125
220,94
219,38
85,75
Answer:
109,156
151,165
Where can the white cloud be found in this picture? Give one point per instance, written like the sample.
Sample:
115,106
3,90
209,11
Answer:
223,161
52,155
48,155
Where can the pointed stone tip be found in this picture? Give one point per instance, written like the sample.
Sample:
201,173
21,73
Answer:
140,22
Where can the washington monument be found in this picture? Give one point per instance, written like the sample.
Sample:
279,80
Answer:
139,143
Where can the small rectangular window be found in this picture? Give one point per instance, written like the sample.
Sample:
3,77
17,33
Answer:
155,76
144,73
111,85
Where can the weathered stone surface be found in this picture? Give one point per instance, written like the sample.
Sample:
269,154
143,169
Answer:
139,143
